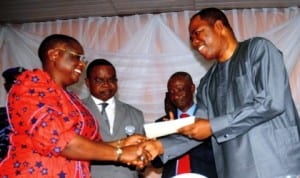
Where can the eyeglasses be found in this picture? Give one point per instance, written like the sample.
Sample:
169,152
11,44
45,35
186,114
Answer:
101,82
81,57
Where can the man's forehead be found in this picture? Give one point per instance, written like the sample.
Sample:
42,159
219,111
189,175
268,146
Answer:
194,23
198,24
178,80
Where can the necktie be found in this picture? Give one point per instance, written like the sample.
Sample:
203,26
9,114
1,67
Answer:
104,105
183,165
104,114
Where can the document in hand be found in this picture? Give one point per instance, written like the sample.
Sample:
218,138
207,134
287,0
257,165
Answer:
158,129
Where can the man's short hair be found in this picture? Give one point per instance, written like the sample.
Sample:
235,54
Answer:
98,62
211,15
182,74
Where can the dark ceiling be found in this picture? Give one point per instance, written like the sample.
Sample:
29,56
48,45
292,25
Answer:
20,11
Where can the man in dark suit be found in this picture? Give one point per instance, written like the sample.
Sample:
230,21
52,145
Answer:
181,91
9,76
116,118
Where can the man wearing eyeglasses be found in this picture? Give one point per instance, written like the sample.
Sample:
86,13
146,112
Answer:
114,116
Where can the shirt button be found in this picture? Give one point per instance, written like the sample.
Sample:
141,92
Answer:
226,135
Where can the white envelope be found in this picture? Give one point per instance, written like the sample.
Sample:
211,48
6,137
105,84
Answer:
158,129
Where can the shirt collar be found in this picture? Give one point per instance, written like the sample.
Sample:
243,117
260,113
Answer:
190,111
110,101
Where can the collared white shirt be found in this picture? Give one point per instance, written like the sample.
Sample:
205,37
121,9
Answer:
190,111
110,110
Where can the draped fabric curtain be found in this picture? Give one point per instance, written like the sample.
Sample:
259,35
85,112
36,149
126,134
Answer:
147,49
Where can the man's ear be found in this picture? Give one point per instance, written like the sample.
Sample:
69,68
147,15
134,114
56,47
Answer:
52,54
193,88
219,26
87,82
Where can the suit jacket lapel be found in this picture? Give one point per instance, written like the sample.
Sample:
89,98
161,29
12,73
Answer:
103,122
119,117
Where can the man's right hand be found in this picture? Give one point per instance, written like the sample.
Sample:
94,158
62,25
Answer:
154,147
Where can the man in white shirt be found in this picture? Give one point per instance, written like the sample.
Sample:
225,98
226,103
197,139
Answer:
114,118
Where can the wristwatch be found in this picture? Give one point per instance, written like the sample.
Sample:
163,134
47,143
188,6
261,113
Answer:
119,150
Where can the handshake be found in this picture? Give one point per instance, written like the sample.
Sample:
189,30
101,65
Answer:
138,150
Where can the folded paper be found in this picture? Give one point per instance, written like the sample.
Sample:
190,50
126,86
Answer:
159,129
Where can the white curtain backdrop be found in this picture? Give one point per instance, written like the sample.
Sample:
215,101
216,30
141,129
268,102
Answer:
147,49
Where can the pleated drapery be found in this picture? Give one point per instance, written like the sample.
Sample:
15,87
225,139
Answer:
147,49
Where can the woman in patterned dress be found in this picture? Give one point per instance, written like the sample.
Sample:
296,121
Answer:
53,134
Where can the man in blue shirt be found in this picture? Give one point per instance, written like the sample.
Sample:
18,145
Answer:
200,159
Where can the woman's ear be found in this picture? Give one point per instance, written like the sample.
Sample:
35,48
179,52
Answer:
52,54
